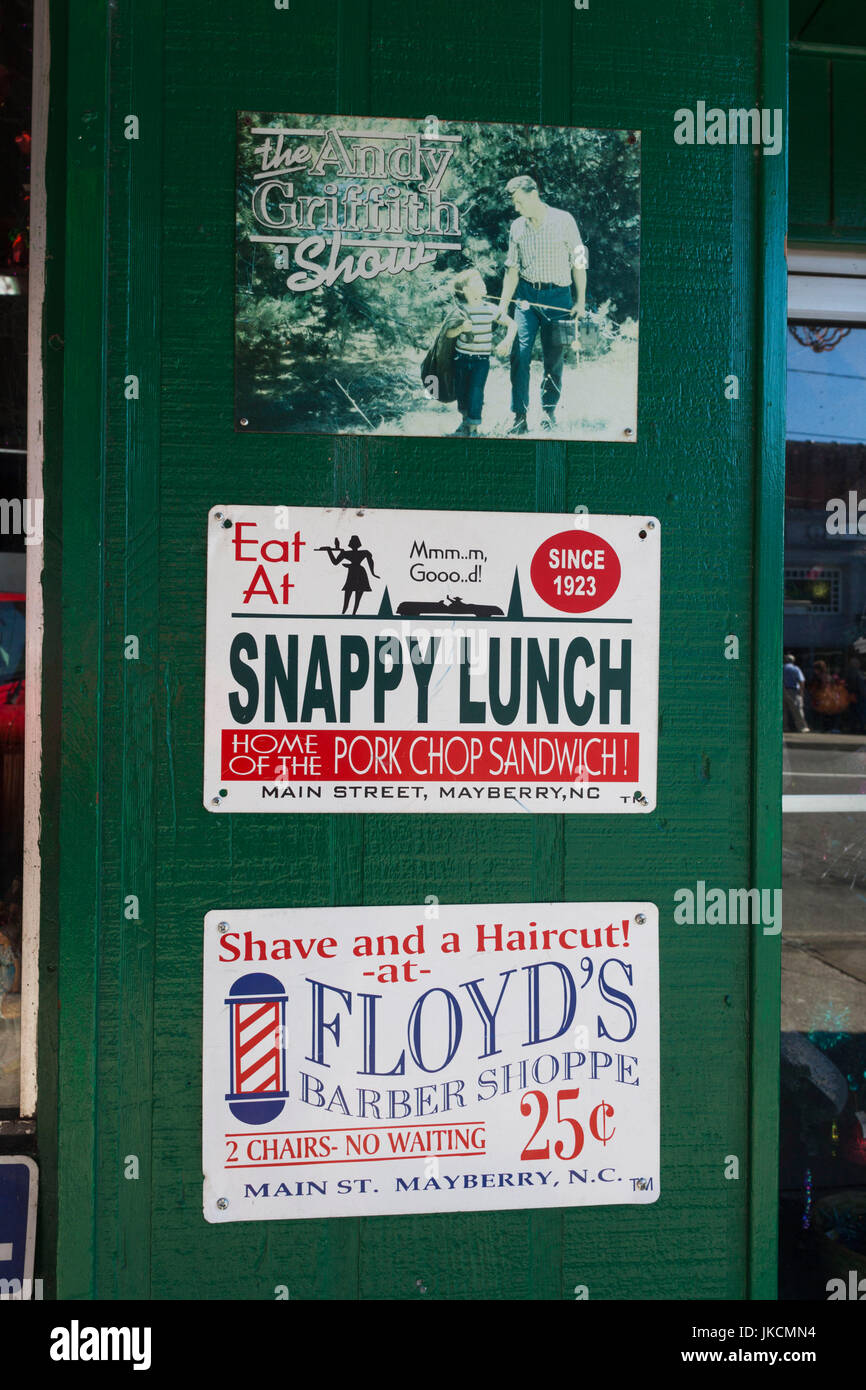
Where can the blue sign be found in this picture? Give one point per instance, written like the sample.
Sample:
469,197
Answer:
19,1181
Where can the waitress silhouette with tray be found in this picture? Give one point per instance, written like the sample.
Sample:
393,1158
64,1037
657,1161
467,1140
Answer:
353,558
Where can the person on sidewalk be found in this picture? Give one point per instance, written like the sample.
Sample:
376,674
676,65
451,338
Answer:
546,258
819,690
793,685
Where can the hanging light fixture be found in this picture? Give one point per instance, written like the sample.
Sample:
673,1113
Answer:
816,337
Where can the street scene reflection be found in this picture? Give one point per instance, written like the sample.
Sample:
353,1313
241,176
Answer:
823,1100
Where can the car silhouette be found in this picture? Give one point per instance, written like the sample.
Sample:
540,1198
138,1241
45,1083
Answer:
418,608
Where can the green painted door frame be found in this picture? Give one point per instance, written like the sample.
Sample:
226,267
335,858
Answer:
140,284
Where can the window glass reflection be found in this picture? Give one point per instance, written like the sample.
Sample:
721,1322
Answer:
823,1068
823,1071
824,668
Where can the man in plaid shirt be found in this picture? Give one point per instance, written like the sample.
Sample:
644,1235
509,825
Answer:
546,256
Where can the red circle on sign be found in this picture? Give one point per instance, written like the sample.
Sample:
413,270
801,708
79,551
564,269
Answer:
575,571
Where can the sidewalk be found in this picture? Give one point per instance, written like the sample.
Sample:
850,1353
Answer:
816,740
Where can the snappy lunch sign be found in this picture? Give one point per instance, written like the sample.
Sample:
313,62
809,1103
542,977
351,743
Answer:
426,661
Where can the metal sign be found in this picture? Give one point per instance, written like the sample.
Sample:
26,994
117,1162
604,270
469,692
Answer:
417,661
396,276
373,1061
19,1183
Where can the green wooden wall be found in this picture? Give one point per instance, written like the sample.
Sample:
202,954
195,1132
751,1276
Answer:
141,281
828,162
827,168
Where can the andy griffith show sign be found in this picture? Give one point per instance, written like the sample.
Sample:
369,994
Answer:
511,252
430,661
370,1061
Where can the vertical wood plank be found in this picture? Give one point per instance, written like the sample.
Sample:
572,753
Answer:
551,464
346,833
83,630
135,188
354,31
849,160
768,553
809,139
50,1062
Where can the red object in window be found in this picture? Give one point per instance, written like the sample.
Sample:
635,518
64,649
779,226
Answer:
854,1148
11,670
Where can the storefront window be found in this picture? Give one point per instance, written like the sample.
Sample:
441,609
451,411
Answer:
15,138
823,1124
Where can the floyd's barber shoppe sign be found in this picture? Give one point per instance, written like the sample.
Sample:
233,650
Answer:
377,1060
423,661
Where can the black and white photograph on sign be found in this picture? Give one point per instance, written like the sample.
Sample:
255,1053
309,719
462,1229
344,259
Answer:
431,277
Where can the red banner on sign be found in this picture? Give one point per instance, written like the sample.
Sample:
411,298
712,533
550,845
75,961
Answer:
432,755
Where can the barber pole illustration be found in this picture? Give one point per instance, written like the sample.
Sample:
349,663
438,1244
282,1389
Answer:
257,1050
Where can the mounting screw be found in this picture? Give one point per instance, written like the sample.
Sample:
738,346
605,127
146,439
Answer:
222,926
244,420
222,1203
650,526
640,918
